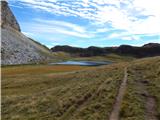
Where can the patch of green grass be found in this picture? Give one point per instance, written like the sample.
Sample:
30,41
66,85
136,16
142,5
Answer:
62,56
109,57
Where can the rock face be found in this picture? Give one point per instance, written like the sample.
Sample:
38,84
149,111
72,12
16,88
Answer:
16,48
7,17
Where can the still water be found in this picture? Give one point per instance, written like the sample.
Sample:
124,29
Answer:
83,63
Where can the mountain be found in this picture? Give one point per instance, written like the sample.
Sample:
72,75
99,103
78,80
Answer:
151,49
16,48
83,52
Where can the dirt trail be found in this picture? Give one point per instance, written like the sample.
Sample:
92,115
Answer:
151,108
150,103
116,108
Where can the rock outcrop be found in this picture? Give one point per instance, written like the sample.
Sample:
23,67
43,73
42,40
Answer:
7,17
16,48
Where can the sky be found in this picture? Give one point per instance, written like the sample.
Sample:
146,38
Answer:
83,23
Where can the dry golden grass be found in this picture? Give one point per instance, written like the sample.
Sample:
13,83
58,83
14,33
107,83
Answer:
38,69
77,93
148,69
59,96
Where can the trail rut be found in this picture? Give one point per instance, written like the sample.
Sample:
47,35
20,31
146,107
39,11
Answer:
151,108
150,102
116,108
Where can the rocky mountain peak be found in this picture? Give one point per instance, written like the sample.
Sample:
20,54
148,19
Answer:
8,20
16,48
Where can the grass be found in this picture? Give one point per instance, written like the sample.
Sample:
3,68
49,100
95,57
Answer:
133,106
31,76
62,56
108,57
38,69
152,74
77,93
56,96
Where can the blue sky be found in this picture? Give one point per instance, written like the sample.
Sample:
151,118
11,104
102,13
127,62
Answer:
84,23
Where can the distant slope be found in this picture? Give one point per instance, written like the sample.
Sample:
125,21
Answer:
151,49
16,48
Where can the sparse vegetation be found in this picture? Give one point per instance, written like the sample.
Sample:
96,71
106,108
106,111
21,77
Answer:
108,57
76,92
56,96
129,88
143,81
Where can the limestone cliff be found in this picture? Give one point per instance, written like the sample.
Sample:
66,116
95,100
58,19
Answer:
16,48
7,17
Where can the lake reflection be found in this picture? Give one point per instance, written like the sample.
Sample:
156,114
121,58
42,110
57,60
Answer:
83,63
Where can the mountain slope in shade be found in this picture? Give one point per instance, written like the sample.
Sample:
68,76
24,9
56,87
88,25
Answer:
147,50
16,48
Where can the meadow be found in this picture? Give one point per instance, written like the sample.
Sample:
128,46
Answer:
38,92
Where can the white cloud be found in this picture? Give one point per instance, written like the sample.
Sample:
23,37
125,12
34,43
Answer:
15,6
151,7
123,36
114,35
132,37
72,33
127,38
62,24
101,30
27,33
134,16
56,27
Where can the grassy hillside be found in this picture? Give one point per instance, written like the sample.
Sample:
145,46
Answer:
108,57
143,83
79,93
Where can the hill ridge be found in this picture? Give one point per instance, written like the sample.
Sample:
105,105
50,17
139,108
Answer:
147,50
